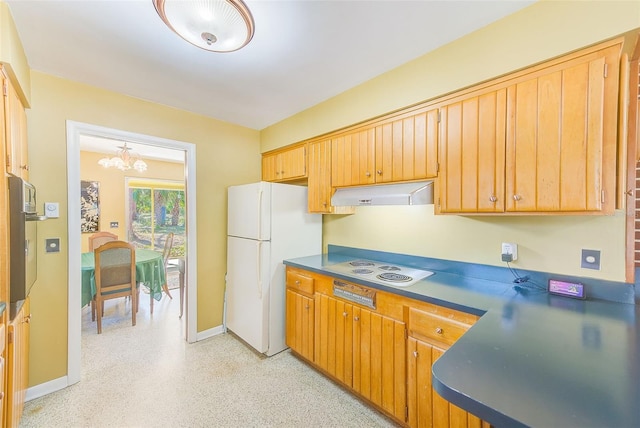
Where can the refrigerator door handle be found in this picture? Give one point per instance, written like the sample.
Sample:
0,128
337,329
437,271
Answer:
258,264
260,214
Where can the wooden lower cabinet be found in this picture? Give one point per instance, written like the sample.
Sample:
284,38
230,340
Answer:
3,357
18,364
300,324
364,350
426,407
384,355
431,331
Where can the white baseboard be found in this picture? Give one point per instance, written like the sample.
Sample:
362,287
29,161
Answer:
210,333
54,385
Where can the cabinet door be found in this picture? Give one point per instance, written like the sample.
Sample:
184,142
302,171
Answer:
16,132
557,156
407,148
289,164
300,324
334,337
18,367
293,163
270,170
426,407
319,180
3,356
353,158
472,150
419,389
379,360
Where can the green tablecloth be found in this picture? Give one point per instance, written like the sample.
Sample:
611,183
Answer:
149,271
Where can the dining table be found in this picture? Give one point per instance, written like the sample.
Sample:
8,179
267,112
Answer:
149,271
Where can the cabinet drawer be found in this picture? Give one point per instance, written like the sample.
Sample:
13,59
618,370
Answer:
435,327
298,281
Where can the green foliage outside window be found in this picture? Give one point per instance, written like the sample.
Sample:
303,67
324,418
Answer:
153,214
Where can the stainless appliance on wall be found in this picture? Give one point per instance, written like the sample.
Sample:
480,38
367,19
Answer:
23,219
267,223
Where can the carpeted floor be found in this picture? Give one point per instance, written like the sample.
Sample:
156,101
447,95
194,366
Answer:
148,376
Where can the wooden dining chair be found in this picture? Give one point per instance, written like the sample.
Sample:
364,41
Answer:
99,238
115,276
173,266
168,243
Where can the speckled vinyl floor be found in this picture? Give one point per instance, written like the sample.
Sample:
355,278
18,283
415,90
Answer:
148,376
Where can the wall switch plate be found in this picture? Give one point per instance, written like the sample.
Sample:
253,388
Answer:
52,245
590,259
509,252
113,225
52,209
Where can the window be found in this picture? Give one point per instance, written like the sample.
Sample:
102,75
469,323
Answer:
156,208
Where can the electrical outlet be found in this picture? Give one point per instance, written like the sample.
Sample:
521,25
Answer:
509,252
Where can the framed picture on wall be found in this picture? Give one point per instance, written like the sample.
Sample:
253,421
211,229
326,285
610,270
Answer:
89,206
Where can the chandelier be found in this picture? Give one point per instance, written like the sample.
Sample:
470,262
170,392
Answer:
213,25
124,160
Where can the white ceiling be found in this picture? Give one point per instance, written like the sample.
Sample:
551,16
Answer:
303,51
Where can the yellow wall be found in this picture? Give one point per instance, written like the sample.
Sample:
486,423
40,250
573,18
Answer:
12,54
226,155
112,188
552,243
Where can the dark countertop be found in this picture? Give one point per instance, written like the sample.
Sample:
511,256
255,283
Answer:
533,359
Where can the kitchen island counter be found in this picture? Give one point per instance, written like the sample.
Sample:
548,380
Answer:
532,359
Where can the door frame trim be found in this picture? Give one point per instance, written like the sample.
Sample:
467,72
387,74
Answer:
74,131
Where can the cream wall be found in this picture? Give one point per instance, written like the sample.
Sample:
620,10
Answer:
546,243
225,155
112,188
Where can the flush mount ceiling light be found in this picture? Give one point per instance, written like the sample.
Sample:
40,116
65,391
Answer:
124,160
213,25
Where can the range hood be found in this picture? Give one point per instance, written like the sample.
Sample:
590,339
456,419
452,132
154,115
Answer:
417,193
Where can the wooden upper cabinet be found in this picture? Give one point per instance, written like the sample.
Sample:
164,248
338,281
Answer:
16,130
403,148
319,180
560,157
353,158
539,141
407,148
472,154
288,164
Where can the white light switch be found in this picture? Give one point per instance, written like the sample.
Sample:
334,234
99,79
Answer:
52,209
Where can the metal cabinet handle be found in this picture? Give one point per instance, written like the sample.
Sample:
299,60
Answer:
493,198
439,330
379,172
517,198
368,174
356,318
415,354
344,314
297,282
307,307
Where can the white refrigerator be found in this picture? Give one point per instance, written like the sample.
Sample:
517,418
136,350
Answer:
267,223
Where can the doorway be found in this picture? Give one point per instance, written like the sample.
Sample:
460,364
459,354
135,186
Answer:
75,130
